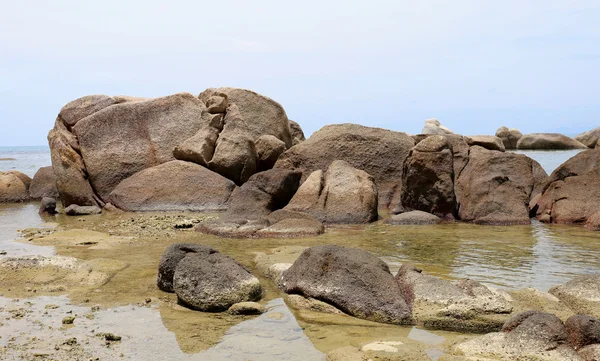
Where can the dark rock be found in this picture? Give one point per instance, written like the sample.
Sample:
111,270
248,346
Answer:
43,184
352,280
268,150
583,330
173,186
497,187
213,282
581,294
262,194
48,206
171,258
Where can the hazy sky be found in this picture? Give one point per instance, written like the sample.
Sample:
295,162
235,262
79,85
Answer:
473,64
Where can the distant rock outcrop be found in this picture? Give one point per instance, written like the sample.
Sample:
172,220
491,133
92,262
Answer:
433,126
548,141
510,137
589,138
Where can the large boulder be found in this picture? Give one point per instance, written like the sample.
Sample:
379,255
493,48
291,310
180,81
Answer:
173,186
582,294
43,184
352,280
213,282
464,305
510,137
171,258
263,193
433,126
548,141
566,197
71,176
428,178
589,138
261,114
14,187
379,152
528,336
125,138
497,187
343,194
82,107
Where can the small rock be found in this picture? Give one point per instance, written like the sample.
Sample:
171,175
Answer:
68,320
246,308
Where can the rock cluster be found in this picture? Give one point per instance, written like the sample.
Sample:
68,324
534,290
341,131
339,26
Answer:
510,137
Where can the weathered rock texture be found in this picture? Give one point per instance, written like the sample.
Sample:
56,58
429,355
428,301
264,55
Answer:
352,280
486,141
548,141
497,187
589,138
343,194
581,294
528,336
43,184
173,186
171,258
464,305
510,137
296,132
213,282
568,195
98,141
379,152
413,218
14,187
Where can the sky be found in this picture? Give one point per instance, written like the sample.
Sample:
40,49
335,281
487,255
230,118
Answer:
473,64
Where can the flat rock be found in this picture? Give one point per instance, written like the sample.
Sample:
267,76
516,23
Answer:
413,218
548,141
173,186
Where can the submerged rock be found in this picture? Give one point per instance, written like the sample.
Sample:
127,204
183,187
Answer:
48,206
246,308
343,194
351,280
413,218
75,210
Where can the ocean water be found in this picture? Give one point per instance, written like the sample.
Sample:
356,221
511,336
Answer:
25,159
